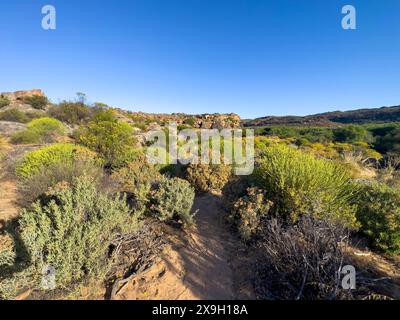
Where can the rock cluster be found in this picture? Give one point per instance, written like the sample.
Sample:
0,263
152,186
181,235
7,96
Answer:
17,100
202,121
19,96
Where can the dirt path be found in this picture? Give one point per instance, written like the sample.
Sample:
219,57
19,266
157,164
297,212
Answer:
8,197
9,207
204,268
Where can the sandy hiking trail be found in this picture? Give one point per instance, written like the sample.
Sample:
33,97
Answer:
206,267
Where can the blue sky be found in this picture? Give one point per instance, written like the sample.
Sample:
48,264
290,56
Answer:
251,57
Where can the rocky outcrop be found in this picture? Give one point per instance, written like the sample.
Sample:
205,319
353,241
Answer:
8,128
19,96
202,121
17,100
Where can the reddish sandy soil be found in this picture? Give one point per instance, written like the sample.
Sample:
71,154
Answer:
208,266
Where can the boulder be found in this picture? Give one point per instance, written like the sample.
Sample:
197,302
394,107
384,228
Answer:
8,128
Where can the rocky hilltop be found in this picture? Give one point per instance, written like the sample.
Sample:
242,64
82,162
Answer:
19,96
202,121
18,99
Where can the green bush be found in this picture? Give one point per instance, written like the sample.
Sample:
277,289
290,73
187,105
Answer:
36,161
248,212
351,134
390,142
14,115
110,138
37,102
136,179
190,122
379,215
235,189
299,183
73,230
208,177
65,171
4,101
42,130
71,112
172,199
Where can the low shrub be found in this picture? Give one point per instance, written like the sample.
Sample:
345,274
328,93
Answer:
4,101
110,138
136,179
73,230
172,199
42,130
389,171
65,171
351,134
358,166
302,261
233,190
37,102
208,177
379,215
39,160
248,212
299,183
71,112
14,115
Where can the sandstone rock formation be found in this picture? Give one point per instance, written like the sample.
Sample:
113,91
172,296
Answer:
17,100
19,96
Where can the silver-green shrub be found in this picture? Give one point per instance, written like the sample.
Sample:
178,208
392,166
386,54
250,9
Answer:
72,230
173,199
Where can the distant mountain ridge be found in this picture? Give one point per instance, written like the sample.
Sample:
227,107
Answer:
360,116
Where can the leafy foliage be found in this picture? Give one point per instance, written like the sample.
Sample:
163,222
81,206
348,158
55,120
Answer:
172,199
208,177
299,183
4,101
351,134
36,161
136,179
379,215
248,212
73,230
42,130
64,171
110,138
71,112
14,115
37,102
389,142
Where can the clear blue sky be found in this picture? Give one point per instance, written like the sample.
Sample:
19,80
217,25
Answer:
251,57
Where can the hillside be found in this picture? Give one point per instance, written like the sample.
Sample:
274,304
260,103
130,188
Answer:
360,116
